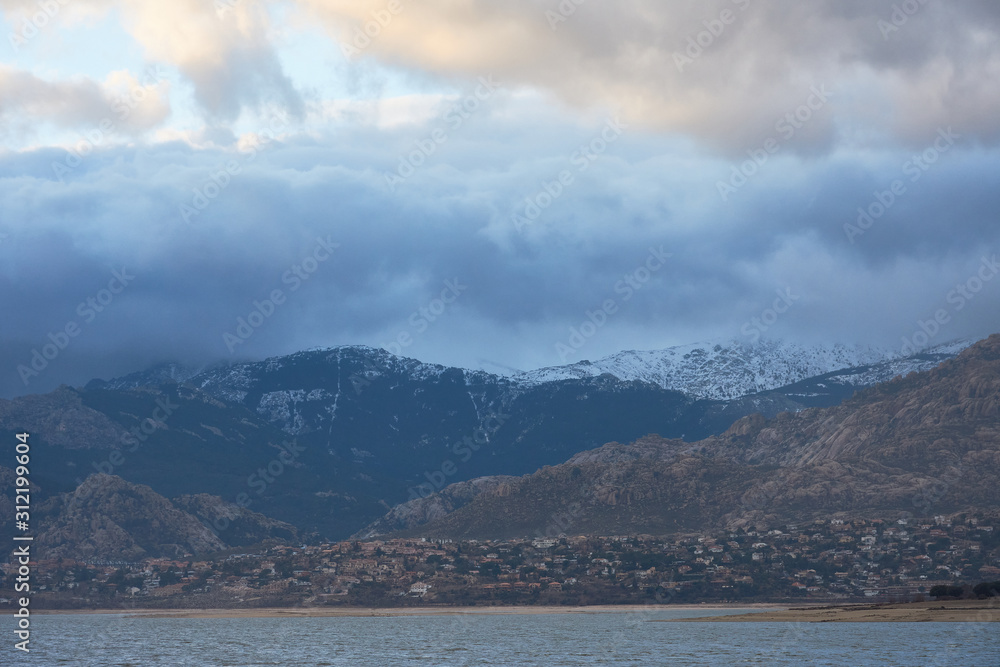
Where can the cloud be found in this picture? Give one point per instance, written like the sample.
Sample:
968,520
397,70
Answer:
122,102
225,49
452,220
723,71
424,182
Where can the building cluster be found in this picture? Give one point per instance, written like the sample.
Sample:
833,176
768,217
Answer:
824,560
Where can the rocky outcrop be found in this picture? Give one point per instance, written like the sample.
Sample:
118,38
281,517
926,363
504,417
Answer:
236,526
928,443
110,519
912,422
60,418
420,511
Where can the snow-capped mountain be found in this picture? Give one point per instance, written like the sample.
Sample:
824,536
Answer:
375,429
151,377
302,392
724,371
710,370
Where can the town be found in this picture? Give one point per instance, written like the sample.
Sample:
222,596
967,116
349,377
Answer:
826,560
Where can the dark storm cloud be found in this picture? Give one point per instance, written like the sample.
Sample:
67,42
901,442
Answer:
831,149
452,220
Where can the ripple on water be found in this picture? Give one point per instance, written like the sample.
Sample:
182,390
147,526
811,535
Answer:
550,640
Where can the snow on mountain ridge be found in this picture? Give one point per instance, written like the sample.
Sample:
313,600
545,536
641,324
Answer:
711,370
369,362
722,371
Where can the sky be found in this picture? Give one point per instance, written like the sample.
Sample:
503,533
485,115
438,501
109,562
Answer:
490,184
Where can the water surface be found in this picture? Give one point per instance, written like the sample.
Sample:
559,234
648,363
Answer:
611,638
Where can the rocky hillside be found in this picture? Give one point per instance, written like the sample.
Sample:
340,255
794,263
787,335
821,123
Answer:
107,518
923,421
924,444
371,430
424,509
64,419
236,526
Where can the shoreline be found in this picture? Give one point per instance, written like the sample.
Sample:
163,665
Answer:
953,611
362,612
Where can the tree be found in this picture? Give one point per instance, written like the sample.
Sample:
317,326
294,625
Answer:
987,589
945,591
169,577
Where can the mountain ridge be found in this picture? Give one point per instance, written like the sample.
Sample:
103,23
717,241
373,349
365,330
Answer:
371,430
900,447
107,517
702,371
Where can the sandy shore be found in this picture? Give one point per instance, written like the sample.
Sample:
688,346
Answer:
307,612
973,611
915,612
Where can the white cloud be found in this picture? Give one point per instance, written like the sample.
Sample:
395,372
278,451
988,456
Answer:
123,102
728,89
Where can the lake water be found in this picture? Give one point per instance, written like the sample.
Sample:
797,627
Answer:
614,638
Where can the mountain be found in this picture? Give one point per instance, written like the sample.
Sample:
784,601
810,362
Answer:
235,525
64,419
151,377
420,511
343,391
181,442
924,444
720,371
107,518
329,440
728,370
